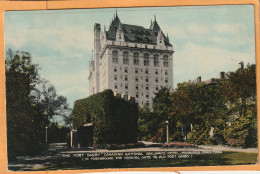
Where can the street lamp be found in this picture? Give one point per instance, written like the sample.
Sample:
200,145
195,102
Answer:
167,131
46,135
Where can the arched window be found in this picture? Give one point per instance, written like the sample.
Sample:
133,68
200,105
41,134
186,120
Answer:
136,59
156,60
115,57
165,60
125,58
146,59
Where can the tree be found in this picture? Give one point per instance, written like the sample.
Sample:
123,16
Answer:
28,108
22,115
52,104
240,95
198,105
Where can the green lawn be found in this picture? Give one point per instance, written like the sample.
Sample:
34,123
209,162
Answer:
226,158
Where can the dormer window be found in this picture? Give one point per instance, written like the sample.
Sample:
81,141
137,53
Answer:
120,36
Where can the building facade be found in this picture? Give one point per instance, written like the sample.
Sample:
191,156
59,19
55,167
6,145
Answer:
131,60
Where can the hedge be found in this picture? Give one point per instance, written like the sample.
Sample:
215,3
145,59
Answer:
114,120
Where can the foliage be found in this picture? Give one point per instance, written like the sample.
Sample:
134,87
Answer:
240,95
152,123
56,133
194,110
114,119
27,116
178,145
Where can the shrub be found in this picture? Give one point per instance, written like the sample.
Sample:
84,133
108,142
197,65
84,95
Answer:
114,120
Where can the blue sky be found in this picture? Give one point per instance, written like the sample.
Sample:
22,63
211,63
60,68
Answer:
206,40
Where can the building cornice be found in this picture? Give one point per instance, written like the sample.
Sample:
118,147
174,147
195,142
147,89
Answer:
132,49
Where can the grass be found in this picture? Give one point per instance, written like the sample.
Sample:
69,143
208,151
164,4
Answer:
226,158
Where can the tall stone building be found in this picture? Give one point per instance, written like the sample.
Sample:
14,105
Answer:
132,60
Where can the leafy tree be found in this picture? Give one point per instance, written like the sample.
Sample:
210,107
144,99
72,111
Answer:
146,124
240,94
28,109
52,104
161,109
196,104
152,122
22,115
182,114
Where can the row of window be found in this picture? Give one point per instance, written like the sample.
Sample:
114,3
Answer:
146,79
136,86
146,71
136,59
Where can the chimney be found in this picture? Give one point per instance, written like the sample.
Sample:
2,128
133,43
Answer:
199,79
241,65
222,75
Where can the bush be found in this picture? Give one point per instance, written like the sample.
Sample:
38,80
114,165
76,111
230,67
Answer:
178,145
114,120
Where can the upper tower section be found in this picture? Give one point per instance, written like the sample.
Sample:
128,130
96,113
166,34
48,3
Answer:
136,34
97,45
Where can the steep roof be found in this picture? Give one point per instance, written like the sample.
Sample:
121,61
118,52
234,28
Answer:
135,33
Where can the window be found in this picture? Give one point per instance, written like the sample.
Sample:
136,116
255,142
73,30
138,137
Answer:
126,70
137,95
166,72
145,46
136,78
156,88
135,45
136,59
147,87
146,59
156,60
115,69
146,79
119,36
146,71
126,86
156,79
115,86
126,78
147,95
125,58
136,70
115,57
156,71
115,77
136,87
147,103
166,80
165,61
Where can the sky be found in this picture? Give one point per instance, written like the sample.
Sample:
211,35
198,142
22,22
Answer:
206,40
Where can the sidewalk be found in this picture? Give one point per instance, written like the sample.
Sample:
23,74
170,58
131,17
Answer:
233,149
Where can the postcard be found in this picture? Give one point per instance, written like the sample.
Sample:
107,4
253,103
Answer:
136,87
